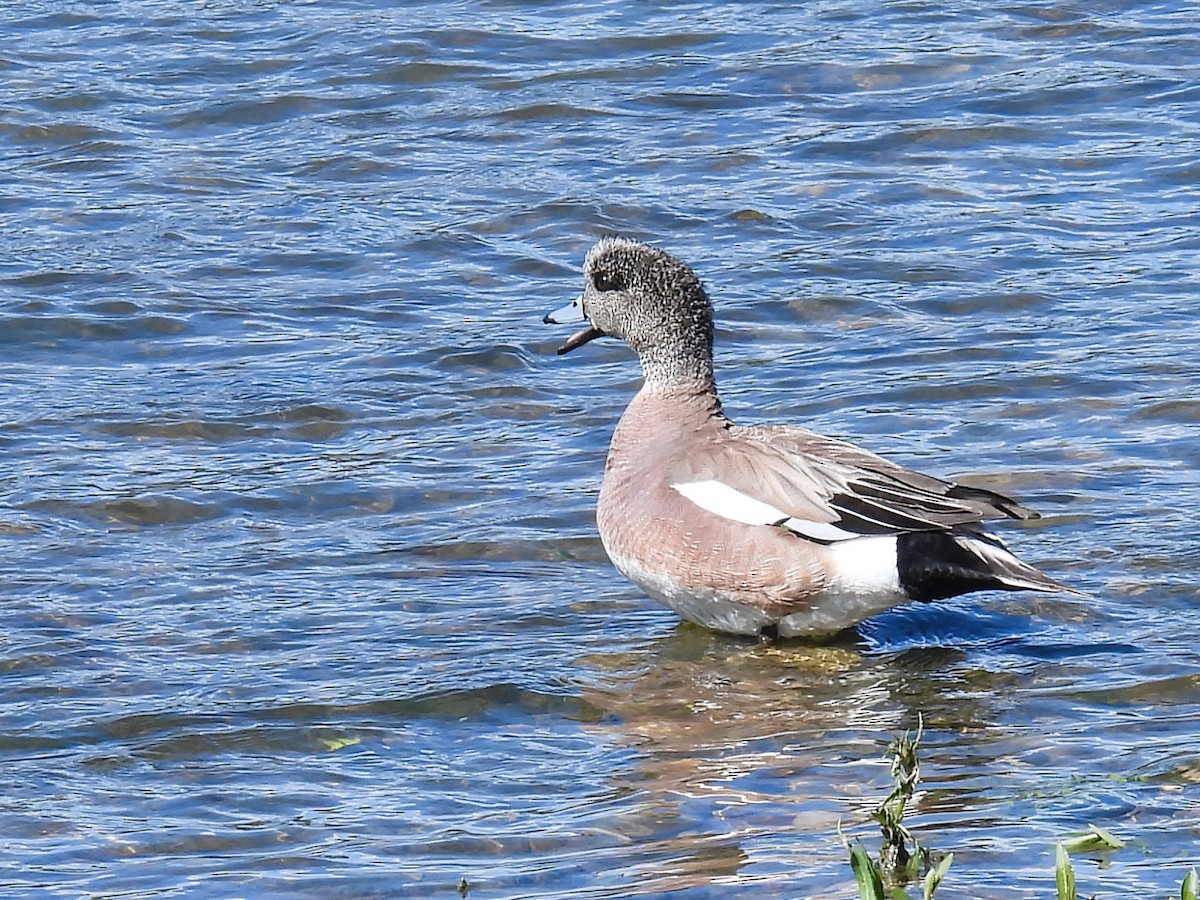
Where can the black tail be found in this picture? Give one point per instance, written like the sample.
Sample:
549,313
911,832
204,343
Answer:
934,565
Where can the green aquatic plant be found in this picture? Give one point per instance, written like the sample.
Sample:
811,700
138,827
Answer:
884,878
1191,886
901,857
1097,838
894,855
1064,875
866,873
934,876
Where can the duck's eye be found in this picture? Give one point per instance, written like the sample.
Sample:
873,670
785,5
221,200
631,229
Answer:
605,282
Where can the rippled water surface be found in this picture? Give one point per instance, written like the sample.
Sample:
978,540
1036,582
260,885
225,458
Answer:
302,590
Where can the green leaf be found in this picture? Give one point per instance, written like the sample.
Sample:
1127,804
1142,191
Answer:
337,743
935,875
1097,838
870,885
1064,875
1191,886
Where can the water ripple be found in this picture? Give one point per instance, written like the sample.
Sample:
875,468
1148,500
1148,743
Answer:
303,588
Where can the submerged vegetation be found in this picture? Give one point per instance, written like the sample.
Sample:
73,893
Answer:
902,861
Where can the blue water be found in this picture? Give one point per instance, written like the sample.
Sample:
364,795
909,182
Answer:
302,587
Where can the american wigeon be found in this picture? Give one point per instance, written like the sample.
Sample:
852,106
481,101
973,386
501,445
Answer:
770,529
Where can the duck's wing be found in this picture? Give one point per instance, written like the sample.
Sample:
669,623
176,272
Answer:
825,489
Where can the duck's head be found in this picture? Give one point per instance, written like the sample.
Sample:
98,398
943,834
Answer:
650,300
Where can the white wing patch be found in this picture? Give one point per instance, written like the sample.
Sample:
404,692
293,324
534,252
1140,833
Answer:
729,503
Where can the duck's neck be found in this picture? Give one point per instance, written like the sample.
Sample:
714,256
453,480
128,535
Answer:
688,390
686,369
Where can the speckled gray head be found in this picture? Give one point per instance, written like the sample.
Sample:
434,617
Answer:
650,300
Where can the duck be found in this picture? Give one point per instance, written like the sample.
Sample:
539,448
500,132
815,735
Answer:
768,530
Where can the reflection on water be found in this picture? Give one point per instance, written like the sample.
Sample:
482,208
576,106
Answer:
302,587
753,758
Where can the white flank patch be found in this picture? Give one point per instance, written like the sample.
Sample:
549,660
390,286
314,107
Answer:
730,503
866,565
